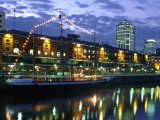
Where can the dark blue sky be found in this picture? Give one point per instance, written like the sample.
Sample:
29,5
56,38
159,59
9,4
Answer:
99,15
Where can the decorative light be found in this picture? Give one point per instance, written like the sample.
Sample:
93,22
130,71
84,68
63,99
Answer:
54,18
77,27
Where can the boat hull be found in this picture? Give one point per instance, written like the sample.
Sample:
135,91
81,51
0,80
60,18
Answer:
43,88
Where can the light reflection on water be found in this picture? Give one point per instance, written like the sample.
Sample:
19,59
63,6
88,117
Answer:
111,104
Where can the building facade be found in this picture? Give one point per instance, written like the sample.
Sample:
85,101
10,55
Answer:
2,20
20,53
125,35
150,47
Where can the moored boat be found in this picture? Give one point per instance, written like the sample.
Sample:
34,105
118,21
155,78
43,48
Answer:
39,80
43,83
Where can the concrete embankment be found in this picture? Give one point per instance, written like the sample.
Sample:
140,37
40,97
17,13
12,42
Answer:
135,80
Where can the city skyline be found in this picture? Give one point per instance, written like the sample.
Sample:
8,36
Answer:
99,15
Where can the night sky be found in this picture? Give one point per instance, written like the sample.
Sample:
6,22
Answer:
102,16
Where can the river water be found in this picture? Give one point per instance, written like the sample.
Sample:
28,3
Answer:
125,103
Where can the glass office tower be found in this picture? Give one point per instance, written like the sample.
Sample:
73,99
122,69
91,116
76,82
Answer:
125,35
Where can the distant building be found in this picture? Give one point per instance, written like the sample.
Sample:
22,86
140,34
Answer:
125,35
149,47
2,20
158,51
73,37
142,51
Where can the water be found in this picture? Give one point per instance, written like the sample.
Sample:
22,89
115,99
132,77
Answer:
127,103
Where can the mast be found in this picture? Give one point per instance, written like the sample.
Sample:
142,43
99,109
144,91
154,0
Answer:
94,40
14,19
61,51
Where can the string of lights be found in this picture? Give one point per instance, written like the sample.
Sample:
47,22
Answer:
54,18
37,26
77,27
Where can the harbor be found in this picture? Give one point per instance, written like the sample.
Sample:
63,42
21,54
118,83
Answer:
79,60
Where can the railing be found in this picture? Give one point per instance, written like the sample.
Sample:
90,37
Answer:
89,74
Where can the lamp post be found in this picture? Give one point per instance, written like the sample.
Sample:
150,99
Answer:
1,68
94,39
6,67
7,62
34,51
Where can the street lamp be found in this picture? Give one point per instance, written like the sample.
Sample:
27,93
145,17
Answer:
34,51
6,54
131,69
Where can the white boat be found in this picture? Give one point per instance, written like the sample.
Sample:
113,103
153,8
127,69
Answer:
39,85
24,80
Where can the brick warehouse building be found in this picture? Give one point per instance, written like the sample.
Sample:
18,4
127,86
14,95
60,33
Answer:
19,53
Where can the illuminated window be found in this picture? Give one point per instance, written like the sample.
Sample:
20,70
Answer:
58,54
85,50
45,53
64,54
89,51
52,53
89,56
16,50
16,42
31,52
39,52
78,45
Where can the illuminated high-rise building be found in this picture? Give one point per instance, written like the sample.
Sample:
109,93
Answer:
125,35
149,47
2,20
